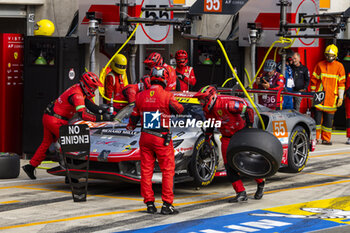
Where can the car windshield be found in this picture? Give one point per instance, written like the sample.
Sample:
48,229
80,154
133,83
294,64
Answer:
191,111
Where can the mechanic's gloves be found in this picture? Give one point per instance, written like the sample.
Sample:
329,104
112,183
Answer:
249,117
130,127
340,102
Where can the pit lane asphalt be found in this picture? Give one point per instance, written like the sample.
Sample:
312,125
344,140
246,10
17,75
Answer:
46,205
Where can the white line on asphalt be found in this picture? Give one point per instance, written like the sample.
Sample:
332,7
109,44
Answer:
332,150
28,180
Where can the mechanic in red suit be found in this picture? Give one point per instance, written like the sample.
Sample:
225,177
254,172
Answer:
347,107
116,79
228,110
270,79
156,105
185,75
57,113
155,59
130,91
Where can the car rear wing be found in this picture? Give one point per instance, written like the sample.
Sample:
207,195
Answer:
317,97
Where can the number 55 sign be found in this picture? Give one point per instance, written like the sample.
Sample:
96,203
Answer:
225,7
212,5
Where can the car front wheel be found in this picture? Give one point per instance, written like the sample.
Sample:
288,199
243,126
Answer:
298,151
204,163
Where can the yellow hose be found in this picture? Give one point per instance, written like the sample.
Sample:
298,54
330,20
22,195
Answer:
240,83
103,72
281,40
250,81
229,79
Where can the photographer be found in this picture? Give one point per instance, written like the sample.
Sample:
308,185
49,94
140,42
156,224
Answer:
270,79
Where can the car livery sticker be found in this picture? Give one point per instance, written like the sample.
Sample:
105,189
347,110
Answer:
280,131
187,100
296,218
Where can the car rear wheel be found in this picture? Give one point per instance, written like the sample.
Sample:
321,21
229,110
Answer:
254,153
204,163
298,150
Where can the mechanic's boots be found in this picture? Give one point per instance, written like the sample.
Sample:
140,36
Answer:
151,208
328,143
259,191
241,196
29,170
168,209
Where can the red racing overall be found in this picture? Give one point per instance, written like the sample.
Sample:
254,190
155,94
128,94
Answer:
152,146
186,78
171,85
130,91
227,109
70,102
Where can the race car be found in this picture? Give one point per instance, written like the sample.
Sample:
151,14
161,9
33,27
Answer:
115,152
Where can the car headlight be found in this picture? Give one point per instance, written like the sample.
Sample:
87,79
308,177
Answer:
176,143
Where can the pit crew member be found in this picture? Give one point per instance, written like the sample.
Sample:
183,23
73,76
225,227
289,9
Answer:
185,75
155,59
156,141
228,110
75,99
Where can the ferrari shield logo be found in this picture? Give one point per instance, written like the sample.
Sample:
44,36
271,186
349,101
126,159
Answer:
220,112
151,93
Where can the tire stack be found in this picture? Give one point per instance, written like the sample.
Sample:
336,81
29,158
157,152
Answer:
9,165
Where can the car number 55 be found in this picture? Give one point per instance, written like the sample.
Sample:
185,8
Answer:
279,128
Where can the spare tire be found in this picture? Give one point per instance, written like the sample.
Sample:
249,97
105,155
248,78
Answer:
9,165
254,153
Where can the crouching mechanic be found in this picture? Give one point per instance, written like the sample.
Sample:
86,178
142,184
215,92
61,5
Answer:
57,113
156,141
228,110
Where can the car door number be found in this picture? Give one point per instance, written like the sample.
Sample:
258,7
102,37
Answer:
280,129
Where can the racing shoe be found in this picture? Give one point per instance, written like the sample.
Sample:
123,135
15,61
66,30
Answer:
151,208
168,209
348,141
241,196
259,191
29,170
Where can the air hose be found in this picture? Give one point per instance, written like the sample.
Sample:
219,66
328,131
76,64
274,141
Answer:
240,83
103,72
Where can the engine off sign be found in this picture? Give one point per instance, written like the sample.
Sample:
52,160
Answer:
74,138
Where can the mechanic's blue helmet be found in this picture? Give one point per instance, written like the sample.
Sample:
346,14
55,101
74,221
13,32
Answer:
270,65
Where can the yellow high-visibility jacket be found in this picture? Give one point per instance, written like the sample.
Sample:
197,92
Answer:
328,77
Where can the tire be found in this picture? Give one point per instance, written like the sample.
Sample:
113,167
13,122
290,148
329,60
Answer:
254,153
203,163
298,150
9,165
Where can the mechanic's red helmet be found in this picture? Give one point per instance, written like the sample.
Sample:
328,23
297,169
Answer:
159,74
146,81
181,58
89,82
207,96
154,59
